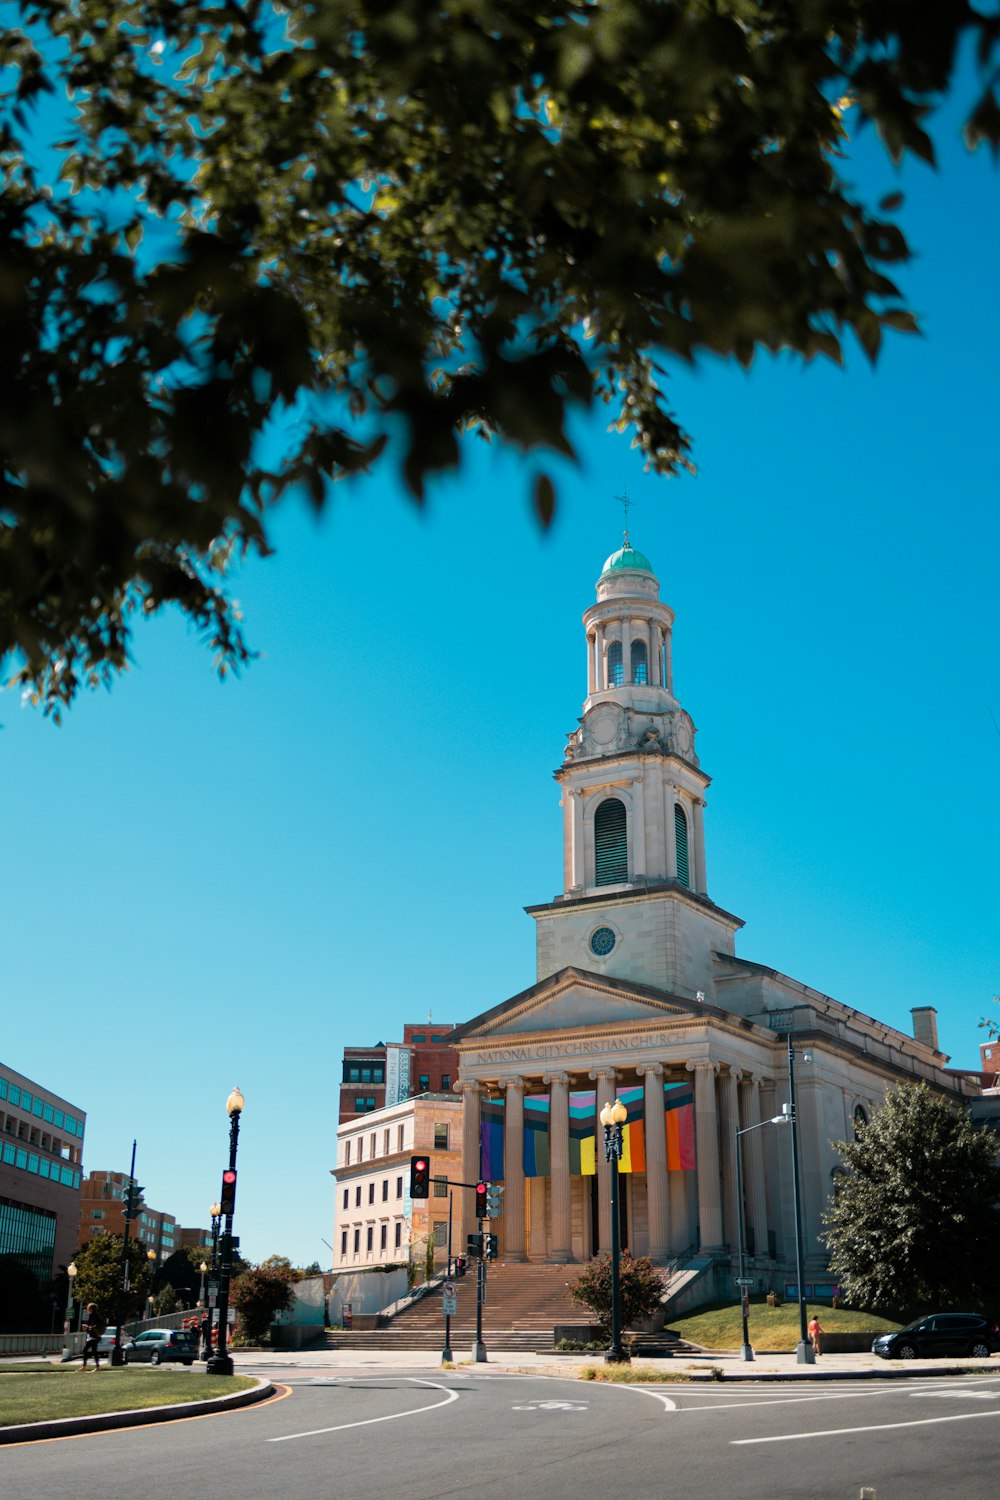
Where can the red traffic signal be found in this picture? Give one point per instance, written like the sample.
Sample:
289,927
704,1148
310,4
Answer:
227,1198
482,1193
420,1177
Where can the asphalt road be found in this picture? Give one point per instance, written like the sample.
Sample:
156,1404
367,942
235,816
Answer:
367,1435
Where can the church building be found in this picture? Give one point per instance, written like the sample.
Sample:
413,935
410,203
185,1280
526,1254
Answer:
640,994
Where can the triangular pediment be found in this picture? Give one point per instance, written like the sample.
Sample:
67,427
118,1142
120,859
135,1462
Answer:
571,999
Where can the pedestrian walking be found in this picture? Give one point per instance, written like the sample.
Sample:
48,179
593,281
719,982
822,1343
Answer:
815,1333
93,1327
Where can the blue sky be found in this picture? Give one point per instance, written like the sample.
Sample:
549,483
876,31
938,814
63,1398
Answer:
206,885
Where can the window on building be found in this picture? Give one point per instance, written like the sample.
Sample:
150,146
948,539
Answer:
681,840
371,1147
366,1074
347,1153
441,1232
357,1241
371,1192
415,1038
385,1142
399,1187
370,1239
347,1195
616,671
445,1083
352,1073
378,1073
399,1235
357,1196
440,1187
425,1082
611,843
97,1213
440,1137
400,1137
383,1236
343,1243
361,1148
385,1189
640,674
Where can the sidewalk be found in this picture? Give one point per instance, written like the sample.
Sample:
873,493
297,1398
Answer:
712,1365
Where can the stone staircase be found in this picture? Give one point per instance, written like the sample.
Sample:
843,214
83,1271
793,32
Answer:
524,1303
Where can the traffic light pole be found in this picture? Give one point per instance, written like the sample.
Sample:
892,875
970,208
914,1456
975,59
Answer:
117,1356
479,1348
446,1354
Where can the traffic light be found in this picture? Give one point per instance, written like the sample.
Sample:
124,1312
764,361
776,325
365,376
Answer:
494,1199
459,1265
227,1198
420,1177
474,1246
491,1246
482,1192
133,1200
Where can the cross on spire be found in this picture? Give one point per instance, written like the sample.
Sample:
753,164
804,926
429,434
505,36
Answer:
626,505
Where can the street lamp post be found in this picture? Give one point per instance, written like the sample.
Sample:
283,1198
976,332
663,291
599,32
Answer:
151,1259
741,1230
613,1117
803,1351
70,1278
221,1363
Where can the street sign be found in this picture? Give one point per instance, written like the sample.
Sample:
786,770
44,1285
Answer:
449,1290
449,1306
745,1280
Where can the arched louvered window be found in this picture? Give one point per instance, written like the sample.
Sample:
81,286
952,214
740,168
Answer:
640,673
681,839
611,843
616,668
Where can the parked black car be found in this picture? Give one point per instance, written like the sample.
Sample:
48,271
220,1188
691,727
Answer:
941,1334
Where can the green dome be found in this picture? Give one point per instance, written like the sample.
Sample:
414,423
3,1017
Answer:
627,557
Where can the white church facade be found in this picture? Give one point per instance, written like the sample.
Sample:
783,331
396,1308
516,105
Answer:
640,994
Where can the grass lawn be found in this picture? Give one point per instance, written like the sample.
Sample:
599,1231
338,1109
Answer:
43,1392
772,1328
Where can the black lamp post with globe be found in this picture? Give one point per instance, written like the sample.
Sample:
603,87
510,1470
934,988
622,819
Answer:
221,1362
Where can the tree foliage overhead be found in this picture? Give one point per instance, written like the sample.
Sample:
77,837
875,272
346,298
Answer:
403,221
914,1223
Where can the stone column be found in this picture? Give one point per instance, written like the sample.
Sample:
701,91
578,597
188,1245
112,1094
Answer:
513,1160
706,1128
652,647
638,830
729,1119
657,1195
605,1080
560,1249
699,880
772,1181
753,1161
579,871
669,655
591,648
602,658
471,1094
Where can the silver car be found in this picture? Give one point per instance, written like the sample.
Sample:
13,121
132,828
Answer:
157,1345
106,1343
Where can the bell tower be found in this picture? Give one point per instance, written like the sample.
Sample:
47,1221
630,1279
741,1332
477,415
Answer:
635,889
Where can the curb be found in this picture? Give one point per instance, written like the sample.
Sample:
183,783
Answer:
31,1432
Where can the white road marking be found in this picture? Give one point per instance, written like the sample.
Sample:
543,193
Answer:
958,1395
370,1421
796,1437
552,1406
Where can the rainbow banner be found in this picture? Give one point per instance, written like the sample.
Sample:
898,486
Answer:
633,1157
582,1133
678,1101
536,1135
491,1118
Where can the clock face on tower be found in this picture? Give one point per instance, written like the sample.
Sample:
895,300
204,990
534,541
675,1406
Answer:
602,941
